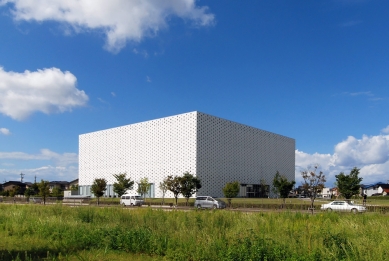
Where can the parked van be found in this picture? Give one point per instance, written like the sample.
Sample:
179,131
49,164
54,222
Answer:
131,200
209,202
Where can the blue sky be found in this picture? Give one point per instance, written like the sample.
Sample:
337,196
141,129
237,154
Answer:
316,71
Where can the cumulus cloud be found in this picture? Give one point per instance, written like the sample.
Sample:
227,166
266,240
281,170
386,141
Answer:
57,166
385,130
47,91
47,172
5,131
120,20
45,154
369,153
368,150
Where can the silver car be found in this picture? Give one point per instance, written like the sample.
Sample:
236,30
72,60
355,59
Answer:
209,202
344,206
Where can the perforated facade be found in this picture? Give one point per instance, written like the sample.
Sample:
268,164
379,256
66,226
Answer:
216,150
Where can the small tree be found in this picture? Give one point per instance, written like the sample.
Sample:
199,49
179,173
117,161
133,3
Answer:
29,192
173,185
14,191
189,185
313,182
143,187
231,190
44,190
35,188
282,186
349,185
57,192
264,189
98,188
163,187
74,187
122,184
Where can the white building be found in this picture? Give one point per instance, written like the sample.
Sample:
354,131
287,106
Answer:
216,150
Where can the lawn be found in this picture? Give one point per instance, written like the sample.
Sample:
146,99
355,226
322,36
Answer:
58,232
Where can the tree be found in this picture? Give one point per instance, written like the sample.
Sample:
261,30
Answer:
143,187
57,192
173,185
14,191
348,185
123,184
282,186
74,187
231,190
29,192
98,188
189,185
264,189
313,183
44,190
35,187
163,187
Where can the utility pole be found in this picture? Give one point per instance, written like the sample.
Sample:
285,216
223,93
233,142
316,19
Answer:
21,177
35,179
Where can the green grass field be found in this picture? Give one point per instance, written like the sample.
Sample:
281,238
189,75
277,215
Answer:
57,232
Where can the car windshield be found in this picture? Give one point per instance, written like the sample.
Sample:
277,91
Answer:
138,197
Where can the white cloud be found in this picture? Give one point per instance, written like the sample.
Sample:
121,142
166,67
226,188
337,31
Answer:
47,172
45,154
47,91
58,167
5,131
368,150
142,52
120,20
385,130
370,154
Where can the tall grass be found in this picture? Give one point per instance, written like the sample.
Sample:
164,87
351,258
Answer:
32,232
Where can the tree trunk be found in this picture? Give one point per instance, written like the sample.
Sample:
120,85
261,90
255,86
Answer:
311,208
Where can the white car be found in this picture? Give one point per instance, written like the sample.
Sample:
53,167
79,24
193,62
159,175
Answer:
344,206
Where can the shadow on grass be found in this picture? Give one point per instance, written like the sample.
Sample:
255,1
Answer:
31,255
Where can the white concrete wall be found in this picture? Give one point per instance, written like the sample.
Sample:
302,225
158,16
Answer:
230,151
216,150
153,149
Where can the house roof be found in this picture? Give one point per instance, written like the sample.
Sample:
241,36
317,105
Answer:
381,184
384,186
17,183
59,182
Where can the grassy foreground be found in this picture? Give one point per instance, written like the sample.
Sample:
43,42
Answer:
56,232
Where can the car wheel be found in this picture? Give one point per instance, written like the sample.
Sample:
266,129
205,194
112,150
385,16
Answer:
329,209
214,207
123,205
132,205
198,206
354,210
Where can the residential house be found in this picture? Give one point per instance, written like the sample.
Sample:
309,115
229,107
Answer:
376,189
10,185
